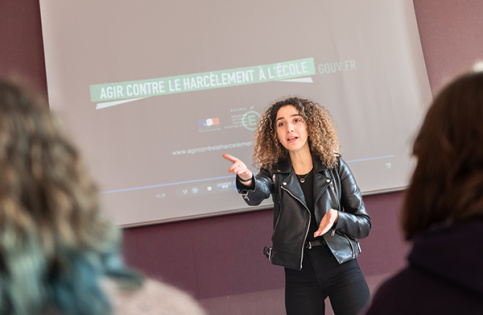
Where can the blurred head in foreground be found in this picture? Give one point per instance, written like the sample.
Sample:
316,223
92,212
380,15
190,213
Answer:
447,184
59,254
55,243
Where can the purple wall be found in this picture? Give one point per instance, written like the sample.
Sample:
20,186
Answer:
21,46
222,256
450,33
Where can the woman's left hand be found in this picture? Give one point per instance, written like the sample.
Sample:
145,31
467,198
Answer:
328,221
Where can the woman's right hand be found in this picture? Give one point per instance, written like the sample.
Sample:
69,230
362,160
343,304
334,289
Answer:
239,168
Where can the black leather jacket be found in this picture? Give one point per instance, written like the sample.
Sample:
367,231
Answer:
333,189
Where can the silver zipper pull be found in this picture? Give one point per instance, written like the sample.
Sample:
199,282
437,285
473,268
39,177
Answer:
245,196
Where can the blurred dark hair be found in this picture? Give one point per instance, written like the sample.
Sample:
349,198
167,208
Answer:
55,242
447,184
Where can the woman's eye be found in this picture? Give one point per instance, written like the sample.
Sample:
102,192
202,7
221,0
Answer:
280,124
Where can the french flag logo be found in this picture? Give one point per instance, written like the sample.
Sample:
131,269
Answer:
209,122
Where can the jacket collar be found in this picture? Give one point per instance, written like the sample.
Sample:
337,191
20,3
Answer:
285,165
291,183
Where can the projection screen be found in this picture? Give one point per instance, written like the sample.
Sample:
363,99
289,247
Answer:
154,92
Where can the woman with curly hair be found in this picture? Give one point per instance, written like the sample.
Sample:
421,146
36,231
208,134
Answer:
59,254
442,212
318,208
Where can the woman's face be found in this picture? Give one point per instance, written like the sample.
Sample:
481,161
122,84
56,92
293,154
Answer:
291,129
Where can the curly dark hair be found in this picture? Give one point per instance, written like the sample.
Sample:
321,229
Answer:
323,141
447,183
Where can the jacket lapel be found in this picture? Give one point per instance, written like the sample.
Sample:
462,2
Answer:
289,180
321,181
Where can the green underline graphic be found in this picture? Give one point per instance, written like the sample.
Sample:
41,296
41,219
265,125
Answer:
128,91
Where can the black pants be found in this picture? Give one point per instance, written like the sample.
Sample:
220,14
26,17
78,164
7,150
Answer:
321,277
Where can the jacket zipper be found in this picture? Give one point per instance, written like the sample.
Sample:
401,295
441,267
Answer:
308,227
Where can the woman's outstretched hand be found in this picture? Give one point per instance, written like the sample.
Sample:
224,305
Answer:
239,168
328,221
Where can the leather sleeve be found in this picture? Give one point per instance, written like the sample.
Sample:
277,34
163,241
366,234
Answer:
353,219
260,189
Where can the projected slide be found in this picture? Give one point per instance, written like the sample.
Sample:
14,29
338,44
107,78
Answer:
154,92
